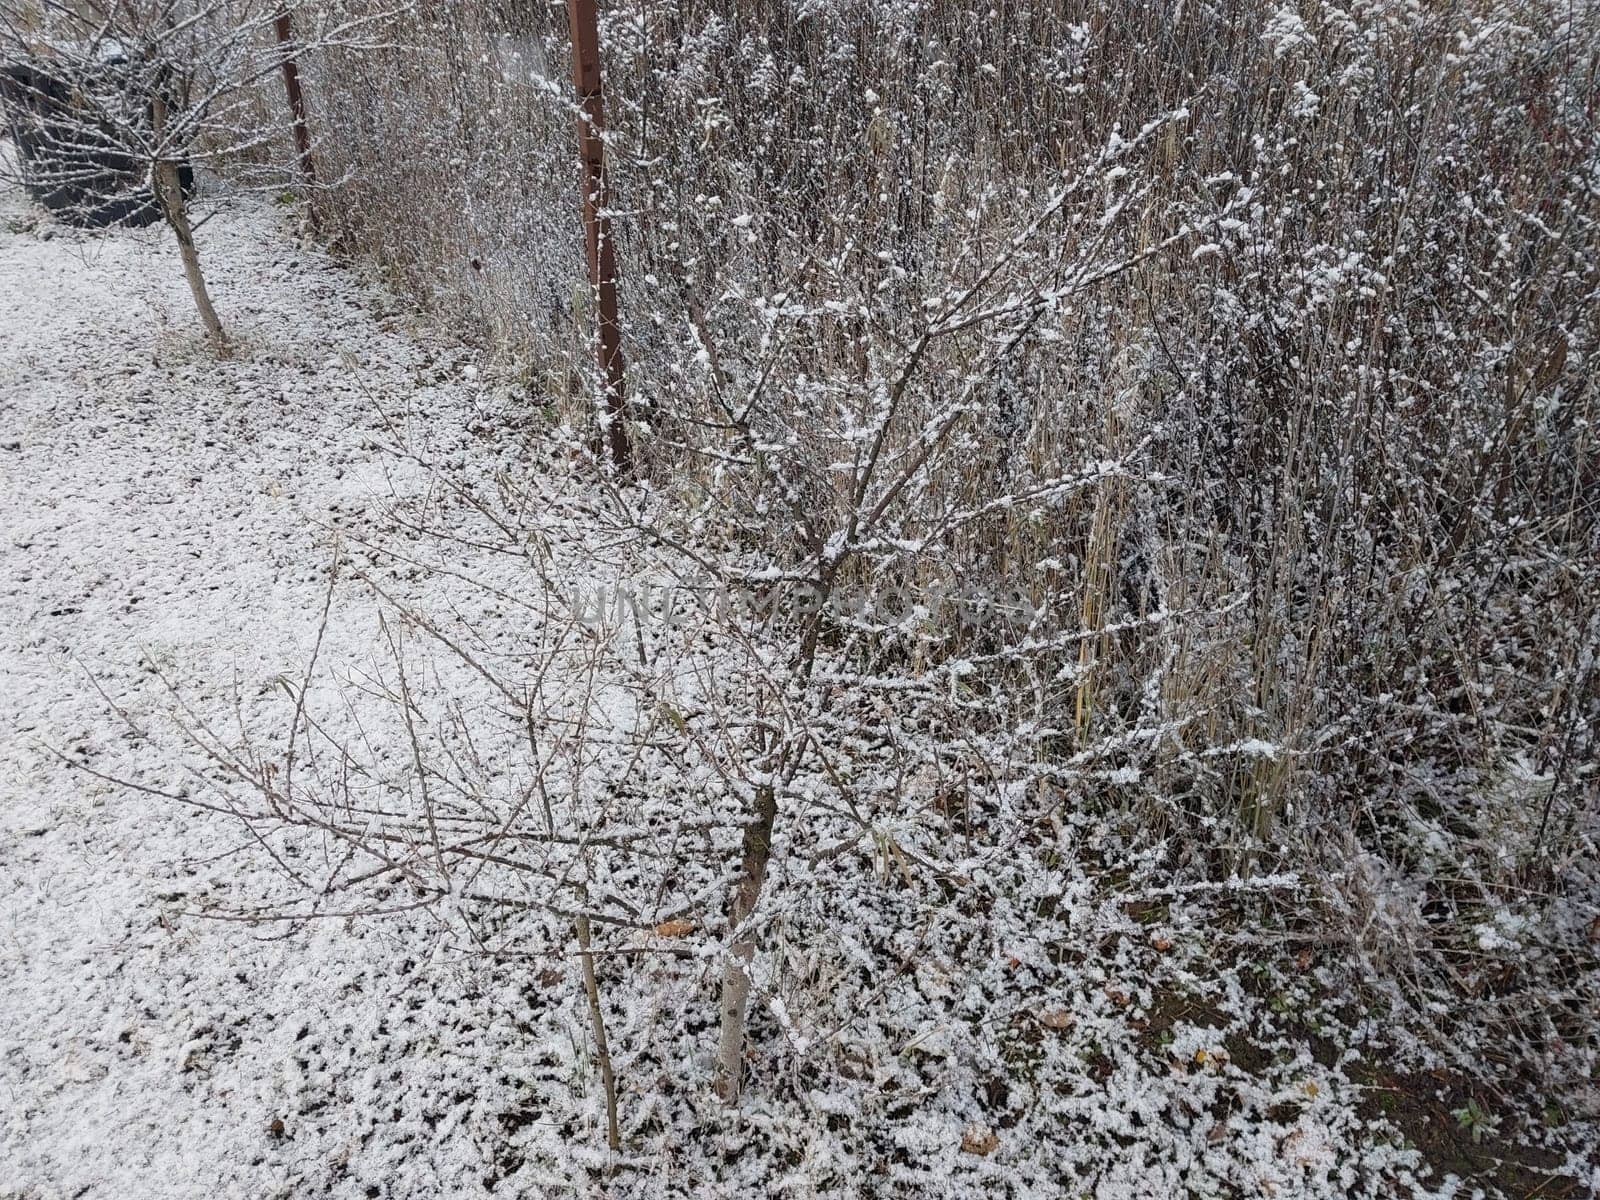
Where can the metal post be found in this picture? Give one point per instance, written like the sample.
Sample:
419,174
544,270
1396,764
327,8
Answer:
597,225
297,100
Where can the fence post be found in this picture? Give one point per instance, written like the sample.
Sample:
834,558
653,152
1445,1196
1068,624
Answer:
584,20
297,103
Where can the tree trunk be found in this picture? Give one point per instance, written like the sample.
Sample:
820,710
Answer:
177,214
169,191
736,973
597,1021
757,853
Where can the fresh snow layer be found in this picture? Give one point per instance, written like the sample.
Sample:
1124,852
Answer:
166,551
164,519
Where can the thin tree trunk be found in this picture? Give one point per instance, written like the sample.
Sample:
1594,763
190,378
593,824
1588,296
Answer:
169,191
584,20
597,1019
177,213
736,973
757,853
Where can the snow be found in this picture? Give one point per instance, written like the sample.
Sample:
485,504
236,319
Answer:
170,520
165,512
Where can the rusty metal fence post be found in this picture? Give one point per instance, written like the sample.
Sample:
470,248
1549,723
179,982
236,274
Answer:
584,20
297,102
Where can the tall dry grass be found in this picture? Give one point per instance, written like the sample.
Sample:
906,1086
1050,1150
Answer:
1280,418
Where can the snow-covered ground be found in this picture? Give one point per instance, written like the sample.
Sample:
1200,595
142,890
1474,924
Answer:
162,516
166,549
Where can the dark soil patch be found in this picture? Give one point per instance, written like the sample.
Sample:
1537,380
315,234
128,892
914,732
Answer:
1424,1107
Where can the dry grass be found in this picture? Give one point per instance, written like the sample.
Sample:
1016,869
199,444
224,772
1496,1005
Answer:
1275,327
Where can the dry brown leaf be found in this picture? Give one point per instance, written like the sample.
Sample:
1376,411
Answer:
677,927
979,1139
1056,1018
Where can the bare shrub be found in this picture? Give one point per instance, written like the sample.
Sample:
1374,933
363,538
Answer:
1243,352
114,105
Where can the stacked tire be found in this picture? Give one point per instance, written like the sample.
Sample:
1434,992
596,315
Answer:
70,162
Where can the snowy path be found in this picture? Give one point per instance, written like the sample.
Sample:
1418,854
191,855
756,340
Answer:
159,506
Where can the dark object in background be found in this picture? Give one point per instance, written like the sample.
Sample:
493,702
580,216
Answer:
70,162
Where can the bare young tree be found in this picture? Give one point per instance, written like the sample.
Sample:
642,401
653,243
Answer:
115,104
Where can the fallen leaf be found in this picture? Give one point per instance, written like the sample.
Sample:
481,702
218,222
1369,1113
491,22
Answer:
677,927
979,1139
